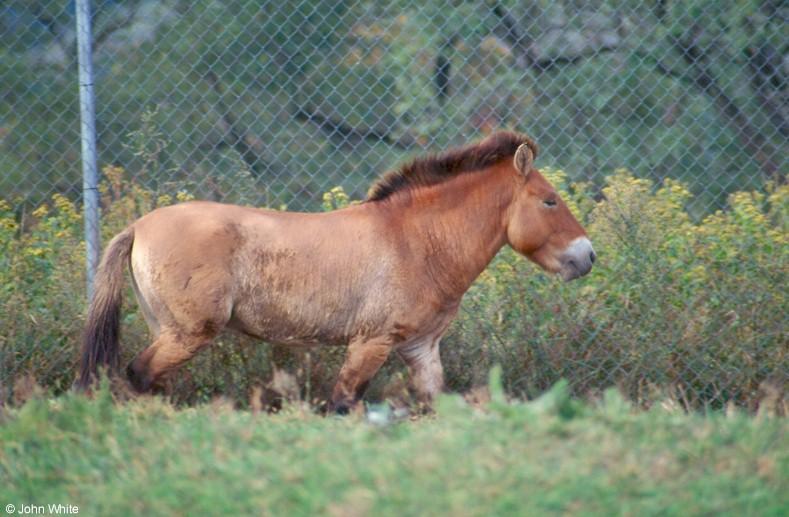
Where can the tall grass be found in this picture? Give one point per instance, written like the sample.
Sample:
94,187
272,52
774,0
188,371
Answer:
550,456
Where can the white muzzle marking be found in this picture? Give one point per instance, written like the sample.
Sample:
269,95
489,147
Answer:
577,259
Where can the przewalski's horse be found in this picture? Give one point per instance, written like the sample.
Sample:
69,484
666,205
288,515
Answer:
385,275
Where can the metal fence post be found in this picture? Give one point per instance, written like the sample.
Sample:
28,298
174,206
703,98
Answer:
88,137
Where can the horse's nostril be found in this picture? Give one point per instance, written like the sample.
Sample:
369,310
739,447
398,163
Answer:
592,256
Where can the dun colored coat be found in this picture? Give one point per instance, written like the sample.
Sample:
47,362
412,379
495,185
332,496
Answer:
383,276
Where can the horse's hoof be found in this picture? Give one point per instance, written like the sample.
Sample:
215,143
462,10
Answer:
138,383
339,408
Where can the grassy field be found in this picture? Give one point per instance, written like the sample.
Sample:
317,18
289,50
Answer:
553,455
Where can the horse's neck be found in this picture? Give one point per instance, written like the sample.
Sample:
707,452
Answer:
456,228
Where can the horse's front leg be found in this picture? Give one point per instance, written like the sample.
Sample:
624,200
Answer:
424,366
363,361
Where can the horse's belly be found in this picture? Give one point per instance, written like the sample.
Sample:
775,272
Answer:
288,325
301,293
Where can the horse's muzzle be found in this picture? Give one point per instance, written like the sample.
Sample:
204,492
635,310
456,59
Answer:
577,259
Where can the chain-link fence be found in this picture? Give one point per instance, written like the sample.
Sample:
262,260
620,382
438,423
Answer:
275,103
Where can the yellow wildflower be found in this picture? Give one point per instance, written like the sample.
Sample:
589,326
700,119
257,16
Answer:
183,195
41,211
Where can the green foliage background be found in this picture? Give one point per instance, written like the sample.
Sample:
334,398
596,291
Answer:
371,65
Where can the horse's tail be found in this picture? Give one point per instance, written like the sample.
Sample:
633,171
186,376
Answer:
100,339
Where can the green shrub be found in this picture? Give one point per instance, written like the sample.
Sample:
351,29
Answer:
692,309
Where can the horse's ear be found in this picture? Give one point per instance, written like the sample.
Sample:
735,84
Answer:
523,159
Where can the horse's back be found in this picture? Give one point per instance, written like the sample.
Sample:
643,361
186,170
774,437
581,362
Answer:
178,239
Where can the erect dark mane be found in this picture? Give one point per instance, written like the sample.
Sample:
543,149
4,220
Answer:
435,169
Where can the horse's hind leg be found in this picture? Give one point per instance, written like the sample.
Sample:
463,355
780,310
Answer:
185,310
170,349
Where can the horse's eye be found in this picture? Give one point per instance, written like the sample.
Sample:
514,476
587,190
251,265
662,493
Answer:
549,203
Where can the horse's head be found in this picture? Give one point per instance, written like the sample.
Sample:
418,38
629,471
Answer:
541,227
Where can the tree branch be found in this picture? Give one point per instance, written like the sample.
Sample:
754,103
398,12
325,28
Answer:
765,64
350,133
237,136
526,48
705,81
520,42
108,30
